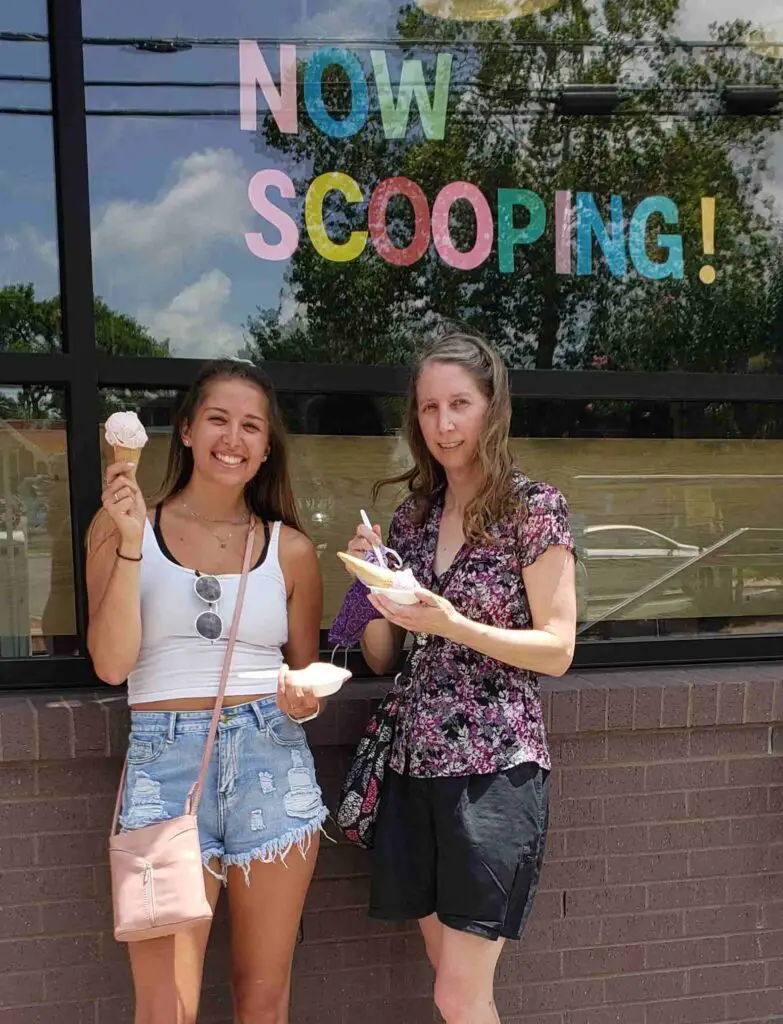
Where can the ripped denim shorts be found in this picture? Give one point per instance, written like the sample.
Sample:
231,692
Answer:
260,799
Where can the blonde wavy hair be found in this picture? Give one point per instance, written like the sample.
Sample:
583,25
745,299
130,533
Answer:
495,497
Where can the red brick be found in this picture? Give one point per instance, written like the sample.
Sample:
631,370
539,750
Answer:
367,952
561,995
581,750
726,978
573,874
599,781
688,835
721,920
31,816
704,704
690,1011
584,963
652,807
574,933
648,701
17,852
697,893
17,781
18,732
620,712
770,944
772,914
85,777
758,702
529,967
725,803
676,700
55,731
661,955
610,839
731,700
725,742
643,927
592,710
47,884
613,1015
724,861
342,861
20,989
633,748
75,916
618,899
685,775
42,953
743,947
564,711
645,987
16,922
746,1006
754,888
575,813
72,849
755,771
651,868
774,974
777,702
336,893
67,1013
414,979
763,830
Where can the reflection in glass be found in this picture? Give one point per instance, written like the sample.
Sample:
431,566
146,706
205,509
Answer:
483,10
37,614
675,507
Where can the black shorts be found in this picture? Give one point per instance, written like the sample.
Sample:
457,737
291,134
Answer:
468,849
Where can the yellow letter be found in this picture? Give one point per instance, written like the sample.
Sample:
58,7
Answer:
343,252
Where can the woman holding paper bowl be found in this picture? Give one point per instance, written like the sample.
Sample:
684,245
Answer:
163,585
463,809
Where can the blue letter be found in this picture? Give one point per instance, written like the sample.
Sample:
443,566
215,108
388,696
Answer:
588,223
637,235
314,99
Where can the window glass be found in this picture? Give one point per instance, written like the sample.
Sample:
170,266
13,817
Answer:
29,261
675,507
412,163
37,615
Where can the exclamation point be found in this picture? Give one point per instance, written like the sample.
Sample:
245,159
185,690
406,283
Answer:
707,273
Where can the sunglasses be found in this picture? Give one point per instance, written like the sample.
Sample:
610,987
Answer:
209,624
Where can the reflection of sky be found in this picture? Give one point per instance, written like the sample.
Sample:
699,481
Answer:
169,194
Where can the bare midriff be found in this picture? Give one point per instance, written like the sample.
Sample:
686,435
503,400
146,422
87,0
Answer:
198,703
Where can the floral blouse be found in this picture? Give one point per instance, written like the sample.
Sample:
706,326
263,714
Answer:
462,712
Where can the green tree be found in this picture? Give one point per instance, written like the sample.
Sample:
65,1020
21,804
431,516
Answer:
670,137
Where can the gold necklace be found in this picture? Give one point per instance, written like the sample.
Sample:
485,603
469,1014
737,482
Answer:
223,542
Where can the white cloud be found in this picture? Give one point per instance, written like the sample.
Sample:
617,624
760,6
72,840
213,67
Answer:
27,255
193,320
205,203
697,15
348,20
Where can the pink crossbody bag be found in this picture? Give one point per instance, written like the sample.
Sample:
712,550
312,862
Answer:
157,878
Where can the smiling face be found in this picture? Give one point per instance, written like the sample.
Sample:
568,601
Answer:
229,434
451,410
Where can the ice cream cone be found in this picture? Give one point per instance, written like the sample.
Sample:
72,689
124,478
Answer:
372,575
127,454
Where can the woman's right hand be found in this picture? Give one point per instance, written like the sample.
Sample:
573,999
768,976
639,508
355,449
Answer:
364,540
124,502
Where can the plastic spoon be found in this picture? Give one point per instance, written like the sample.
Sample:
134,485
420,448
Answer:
376,547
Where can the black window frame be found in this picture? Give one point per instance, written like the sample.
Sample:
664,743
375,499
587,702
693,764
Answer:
81,369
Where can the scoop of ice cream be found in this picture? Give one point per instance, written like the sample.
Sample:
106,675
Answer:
405,580
125,430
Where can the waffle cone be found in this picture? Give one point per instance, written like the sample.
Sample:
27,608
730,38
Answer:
372,575
127,454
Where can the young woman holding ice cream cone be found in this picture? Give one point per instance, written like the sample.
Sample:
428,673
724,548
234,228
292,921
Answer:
162,586
463,809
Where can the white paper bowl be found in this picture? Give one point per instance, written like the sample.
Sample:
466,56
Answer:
321,678
398,595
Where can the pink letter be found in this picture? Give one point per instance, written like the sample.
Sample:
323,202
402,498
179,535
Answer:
376,219
254,74
564,230
289,232
485,228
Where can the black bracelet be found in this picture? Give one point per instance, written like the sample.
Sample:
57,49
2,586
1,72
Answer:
127,558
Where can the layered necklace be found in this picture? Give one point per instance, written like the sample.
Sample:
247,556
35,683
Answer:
208,523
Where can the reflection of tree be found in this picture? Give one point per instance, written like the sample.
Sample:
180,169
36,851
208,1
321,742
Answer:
34,325
669,138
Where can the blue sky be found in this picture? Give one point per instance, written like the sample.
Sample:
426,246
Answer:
169,202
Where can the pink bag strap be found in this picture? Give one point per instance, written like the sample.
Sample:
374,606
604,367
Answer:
194,796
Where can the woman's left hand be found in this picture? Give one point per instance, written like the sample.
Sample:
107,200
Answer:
295,701
432,614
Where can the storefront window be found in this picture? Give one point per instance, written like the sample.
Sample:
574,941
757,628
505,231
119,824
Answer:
674,506
36,560
429,167
29,265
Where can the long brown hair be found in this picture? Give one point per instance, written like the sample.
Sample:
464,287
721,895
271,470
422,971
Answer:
495,496
269,495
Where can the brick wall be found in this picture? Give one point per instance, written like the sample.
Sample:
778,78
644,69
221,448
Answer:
661,902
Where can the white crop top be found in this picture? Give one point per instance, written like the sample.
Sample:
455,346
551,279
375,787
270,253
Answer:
174,661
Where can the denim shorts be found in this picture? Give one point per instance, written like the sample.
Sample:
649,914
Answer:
260,799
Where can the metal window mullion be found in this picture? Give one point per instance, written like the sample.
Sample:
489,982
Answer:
76,285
